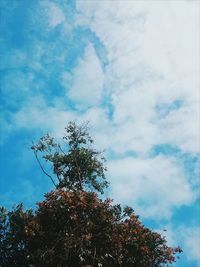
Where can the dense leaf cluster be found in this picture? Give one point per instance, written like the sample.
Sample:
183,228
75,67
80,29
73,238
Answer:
77,229
73,227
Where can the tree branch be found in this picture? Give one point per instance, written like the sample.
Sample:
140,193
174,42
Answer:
35,153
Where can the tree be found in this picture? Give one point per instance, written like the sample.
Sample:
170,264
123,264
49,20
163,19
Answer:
76,164
13,237
74,227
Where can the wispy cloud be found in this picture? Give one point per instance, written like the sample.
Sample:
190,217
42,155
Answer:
132,69
154,186
88,80
189,237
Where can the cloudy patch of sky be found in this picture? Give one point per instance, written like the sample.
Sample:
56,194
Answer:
129,67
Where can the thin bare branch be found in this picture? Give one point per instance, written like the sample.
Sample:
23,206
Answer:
35,153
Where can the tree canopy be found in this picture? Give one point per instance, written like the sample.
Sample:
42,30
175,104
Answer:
75,163
73,226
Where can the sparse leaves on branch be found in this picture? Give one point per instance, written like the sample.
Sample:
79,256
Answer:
76,165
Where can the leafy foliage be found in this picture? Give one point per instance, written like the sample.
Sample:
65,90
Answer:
76,165
72,227
13,236
77,229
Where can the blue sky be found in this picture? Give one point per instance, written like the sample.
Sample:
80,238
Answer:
129,67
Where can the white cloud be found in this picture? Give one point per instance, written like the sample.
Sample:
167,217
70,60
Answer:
154,186
36,114
88,80
153,52
187,237
153,55
191,236
181,127
56,15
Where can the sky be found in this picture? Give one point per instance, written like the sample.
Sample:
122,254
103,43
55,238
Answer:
131,68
